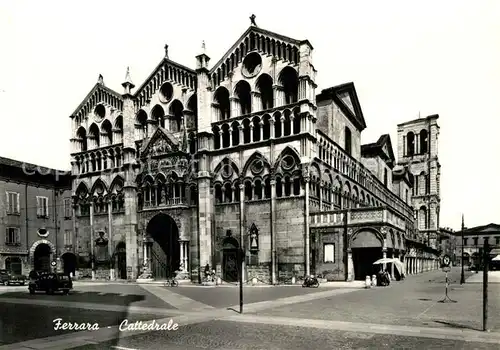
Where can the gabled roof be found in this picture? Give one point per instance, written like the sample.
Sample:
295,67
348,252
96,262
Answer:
382,148
346,98
256,30
481,230
159,133
98,87
163,62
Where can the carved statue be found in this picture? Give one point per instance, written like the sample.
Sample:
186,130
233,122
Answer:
252,20
163,196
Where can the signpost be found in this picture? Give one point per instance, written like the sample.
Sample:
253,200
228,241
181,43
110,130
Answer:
486,262
446,268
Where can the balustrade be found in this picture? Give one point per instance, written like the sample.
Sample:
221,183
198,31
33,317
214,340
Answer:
99,160
358,216
333,155
260,126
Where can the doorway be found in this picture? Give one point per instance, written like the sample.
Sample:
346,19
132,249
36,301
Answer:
165,250
121,260
42,257
69,263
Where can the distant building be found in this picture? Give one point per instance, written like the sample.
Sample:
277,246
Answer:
473,241
36,226
447,244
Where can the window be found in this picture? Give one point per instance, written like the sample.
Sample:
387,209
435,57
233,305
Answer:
385,177
410,144
406,196
348,141
329,253
68,237
12,236
415,185
13,206
475,240
423,141
465,241
67,208
42,206
497,240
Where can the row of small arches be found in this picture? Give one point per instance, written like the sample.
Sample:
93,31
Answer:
242,94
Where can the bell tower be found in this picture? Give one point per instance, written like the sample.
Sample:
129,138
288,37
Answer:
418,151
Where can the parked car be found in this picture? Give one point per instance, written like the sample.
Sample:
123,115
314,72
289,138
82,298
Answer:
4,276
50,283
14,278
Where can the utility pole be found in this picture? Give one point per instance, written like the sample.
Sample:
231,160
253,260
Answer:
462,276
486,260
241,254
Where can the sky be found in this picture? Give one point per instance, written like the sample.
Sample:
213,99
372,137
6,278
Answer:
406,58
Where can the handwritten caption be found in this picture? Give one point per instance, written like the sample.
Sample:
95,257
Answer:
124,326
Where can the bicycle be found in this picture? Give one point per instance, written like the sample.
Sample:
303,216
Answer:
171,283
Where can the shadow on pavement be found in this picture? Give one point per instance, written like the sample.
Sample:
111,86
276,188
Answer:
456,325
82,297
16,327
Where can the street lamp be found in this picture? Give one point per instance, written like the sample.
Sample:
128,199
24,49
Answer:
462,276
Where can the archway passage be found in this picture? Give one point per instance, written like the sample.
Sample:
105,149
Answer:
230,259
121,260
69,263
165,251
14,265
366,248
42,257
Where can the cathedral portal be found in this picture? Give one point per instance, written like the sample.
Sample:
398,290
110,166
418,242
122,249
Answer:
165,248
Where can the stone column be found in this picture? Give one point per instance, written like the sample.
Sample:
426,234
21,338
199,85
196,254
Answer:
110,241
273,231
350,266
181,248
186,261
242,136
92,238
306,223
271,128
242,225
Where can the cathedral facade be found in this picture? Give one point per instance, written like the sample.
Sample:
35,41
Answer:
198,163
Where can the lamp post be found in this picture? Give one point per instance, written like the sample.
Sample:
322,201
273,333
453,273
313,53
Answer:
462,276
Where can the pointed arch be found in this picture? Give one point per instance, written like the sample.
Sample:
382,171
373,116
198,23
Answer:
160,178
287,151
148,179
82,190
256,157
117,184
226,160
99,187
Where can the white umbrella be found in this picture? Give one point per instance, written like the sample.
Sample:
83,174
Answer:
399,265
383,261
496,258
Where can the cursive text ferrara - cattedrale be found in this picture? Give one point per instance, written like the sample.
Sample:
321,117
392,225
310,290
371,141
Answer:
124,326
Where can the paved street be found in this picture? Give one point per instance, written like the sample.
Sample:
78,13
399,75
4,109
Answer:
412,302
406,314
